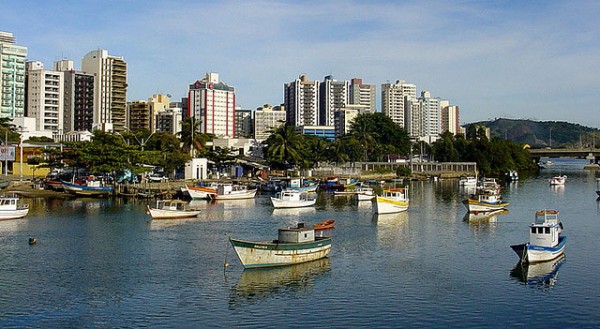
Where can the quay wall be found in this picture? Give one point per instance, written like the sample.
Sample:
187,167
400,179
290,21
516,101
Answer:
365,170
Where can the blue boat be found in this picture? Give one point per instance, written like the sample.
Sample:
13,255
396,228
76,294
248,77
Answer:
89,188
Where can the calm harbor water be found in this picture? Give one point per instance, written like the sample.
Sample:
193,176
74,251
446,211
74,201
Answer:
102,263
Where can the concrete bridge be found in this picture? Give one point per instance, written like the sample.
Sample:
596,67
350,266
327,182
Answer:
592,154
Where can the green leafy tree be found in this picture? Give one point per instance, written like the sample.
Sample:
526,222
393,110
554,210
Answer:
285,148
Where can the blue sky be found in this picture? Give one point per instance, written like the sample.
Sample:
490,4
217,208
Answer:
537,60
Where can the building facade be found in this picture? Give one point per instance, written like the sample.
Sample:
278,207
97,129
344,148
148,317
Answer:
450,119
110,89
12,77
45,97
344,117
396,100
243,123
266,119
213,102
362,94
138,115
301,102
169,120
78,97
333,95
156,104
431,115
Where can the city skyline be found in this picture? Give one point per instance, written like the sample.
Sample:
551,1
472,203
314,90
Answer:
513,60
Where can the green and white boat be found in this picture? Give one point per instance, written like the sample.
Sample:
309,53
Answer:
294,245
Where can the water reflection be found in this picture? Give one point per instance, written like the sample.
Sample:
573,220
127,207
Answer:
390,219
258,284
485,217
293,213
558,189
160,224
542,274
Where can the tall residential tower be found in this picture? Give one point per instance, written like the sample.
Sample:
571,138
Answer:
12,77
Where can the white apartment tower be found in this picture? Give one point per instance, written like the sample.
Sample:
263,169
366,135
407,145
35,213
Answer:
213,102
362,94
266,119
12,77
431,115
301,102
110,89
45,97
333,95
395,99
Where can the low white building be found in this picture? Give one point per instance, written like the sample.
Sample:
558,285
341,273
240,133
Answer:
196,168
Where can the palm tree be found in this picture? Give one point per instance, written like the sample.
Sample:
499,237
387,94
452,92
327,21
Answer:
285,146
188,133
361,130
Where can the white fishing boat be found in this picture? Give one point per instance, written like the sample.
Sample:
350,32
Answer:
392,200
364,193
558,180
199,192
488,185
293,199
512,176
234,192
484,201
293,246
172,209
545,239
11,208
467,181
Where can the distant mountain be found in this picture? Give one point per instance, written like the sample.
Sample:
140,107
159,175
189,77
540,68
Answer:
541,133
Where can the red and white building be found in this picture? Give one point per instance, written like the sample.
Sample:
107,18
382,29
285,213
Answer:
213,103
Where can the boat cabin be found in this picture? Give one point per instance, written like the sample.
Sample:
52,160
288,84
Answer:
544,232
298,234
171,204
396,193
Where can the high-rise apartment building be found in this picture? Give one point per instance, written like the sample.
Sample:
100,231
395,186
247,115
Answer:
110,89
169,120
45,97
12,77
301,102
266,119
139,115
333,95
78,98
243,123
431,115
362,94
156,104
395,99
344,117
213,102
450,119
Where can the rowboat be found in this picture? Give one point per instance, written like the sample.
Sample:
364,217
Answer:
199,192
293,199
293,246
172,209
10,208
90,188
545,239
484,202
392,200
324,225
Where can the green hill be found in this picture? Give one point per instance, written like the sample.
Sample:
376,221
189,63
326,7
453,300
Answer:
539,134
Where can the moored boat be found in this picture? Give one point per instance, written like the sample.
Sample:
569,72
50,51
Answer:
293,246
467,181
545,239
172,209
234,192
324,225
512,176
199,192
558,180
364,193
89,188
392,200
11,208
293,199
484,201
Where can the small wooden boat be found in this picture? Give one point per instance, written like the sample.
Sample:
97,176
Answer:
364,193
325,225
11,208
199,192
467,181
545,239
484,202
89,188
392,200
293,199
172,209
294,245
4,183
558,180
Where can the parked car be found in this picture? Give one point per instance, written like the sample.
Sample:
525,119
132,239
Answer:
157,178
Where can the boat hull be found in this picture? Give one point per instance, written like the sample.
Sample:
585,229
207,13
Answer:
13,214
477,207
277,203
532,254
172,214
86,190
199,192
272,254
383,205
237,196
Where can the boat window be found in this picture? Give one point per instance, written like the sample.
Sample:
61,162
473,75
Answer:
547,230
533,230
540,230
